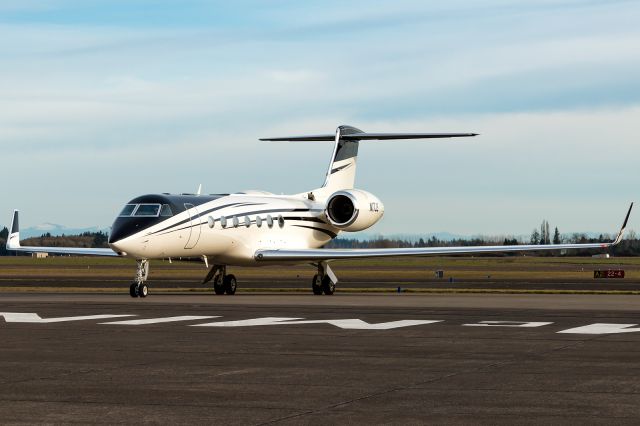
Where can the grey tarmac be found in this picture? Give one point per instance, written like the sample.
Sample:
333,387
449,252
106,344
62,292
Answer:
445,372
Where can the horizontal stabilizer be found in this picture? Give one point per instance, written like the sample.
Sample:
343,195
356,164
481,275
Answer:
369,136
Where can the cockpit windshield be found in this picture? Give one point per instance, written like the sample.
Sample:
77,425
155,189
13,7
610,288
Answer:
146,210
128,210
166,210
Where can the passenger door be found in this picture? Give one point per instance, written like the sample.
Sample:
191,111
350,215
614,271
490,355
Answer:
194,230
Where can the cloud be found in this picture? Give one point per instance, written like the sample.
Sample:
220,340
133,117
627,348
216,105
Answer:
108,106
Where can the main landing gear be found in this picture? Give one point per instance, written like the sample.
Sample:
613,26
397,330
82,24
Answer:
139,288
324,281
222,283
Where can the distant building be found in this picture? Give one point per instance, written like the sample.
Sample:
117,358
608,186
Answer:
40,255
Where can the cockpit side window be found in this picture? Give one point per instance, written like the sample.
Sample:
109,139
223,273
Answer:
147,210
128,210
166,211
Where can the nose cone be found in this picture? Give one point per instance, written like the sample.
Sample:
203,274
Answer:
122,228
125,227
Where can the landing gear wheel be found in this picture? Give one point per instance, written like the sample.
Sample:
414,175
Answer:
230,284
133,290
328,287
218,285
316,285
143,290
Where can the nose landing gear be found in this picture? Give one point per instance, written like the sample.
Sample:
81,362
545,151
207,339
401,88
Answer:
139,288
222,283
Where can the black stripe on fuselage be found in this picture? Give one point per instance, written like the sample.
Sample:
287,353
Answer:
206,212
326,231
306,219
191,225
190,219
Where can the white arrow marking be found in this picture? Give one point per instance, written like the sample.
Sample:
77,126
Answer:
356,324
247,323
523,324
35,318
160,320
349,324
602,328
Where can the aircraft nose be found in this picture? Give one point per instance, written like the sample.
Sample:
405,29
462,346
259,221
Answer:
124,227
116,247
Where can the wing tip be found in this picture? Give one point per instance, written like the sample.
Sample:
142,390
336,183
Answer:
624,225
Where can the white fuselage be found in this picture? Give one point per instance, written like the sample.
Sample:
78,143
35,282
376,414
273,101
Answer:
229,230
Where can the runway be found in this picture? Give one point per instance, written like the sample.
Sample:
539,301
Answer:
304,359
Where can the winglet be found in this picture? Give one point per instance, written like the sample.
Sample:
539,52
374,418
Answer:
624,225
13,241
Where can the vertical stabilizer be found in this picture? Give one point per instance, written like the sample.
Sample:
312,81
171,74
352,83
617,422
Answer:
342,169
13,240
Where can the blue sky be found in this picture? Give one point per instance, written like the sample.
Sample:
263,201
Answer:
101,101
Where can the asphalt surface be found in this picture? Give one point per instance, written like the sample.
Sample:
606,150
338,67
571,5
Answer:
545,365
303,282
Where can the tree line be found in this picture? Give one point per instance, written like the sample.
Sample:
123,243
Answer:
542,235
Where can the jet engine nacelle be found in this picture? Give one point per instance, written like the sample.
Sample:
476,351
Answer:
353,210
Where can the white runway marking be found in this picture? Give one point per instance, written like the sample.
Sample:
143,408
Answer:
602,328
160,320
35,318
522,324
347,324
247,323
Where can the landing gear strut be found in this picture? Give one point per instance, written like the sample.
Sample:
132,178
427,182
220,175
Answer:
222,283
138,288
324,281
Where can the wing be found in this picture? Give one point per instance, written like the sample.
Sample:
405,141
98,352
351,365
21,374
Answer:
335,254
13,243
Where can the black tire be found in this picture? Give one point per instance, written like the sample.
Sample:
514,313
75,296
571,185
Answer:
218,284
133,290
316,285
230,284
328,287
143,290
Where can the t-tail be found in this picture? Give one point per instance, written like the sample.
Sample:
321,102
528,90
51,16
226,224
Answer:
341,173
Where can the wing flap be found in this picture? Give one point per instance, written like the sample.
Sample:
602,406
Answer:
336,254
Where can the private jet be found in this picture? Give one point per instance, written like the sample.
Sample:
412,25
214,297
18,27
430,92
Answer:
257,228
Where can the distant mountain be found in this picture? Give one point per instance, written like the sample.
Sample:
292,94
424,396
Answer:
55,230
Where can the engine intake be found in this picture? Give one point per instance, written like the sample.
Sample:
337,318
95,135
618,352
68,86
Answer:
341,209
353,210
